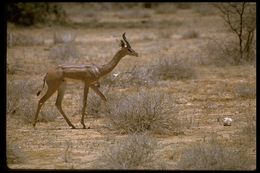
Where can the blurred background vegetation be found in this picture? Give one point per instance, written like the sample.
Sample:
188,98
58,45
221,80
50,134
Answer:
239,18
32,13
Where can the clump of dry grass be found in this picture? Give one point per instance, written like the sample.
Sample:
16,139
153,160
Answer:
245,91
246,136
64,52
95,105
165,8
172,68
163,69
137,76
190,34
212,155
22,105
222,53
63,37
19,90
136,151
142,111
21,39
184,5
14,154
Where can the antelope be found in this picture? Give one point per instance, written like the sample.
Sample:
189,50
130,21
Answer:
88,74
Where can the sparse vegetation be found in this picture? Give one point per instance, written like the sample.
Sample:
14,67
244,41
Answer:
21,105
220,54
140,112
14,154
65,52
136,151
63,37
161,106
172,68
241,19
191,34
213,155
245,91
17,92
32,13
20,39
96,105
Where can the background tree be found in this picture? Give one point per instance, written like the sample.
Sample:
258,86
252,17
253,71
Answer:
241,19
32,13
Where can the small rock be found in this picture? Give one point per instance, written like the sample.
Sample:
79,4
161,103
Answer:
227,121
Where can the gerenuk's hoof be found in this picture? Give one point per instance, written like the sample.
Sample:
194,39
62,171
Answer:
73,127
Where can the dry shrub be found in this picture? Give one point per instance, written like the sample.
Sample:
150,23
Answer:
140,112
22,105
64,52
14,154
212,155
164,69
137,76
184,5
22,39
246,136
95,105
164,8
63,37
190,34
204,9
245,91
18,91
134,13
172,68
223,53
136,151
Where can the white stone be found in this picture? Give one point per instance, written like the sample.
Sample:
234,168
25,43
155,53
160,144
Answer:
227,121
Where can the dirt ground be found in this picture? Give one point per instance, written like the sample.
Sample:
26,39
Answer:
205,99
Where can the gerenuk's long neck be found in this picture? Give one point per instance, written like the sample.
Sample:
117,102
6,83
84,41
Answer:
105,69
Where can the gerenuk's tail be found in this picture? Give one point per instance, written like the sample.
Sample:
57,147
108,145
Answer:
39,92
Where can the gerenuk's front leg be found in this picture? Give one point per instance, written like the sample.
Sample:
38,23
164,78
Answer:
86,88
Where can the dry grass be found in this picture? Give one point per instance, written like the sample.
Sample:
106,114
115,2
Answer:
95,105
137,76
63,37
14,154
173,69
166,8
66,52
136,151
18,91
190,34
142,111
246,136
212,155
245,91
20,102
21,39
223,52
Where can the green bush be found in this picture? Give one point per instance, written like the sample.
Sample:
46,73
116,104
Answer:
31,13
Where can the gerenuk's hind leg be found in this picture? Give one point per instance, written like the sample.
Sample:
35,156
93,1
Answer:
61,91
48,94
